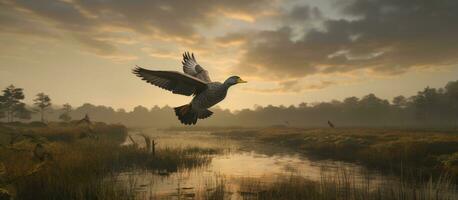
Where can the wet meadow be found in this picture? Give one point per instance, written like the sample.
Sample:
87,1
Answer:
110,161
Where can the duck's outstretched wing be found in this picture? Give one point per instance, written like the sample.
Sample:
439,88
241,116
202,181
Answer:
191,67
173,81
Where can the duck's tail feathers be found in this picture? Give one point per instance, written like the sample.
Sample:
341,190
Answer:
204,114
186,115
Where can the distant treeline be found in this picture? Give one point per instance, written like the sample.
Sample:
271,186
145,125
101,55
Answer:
431,107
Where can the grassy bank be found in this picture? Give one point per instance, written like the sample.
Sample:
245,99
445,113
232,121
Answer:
345,187
80,162
342,186
419,153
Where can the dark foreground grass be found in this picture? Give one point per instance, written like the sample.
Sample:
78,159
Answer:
421,153
331,188
83,163
341,187
80,171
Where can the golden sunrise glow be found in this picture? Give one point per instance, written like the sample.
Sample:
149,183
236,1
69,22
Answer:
289,52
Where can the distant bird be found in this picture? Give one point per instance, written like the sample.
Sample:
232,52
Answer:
195,81
331,124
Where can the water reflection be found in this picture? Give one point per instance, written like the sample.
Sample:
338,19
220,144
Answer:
243,160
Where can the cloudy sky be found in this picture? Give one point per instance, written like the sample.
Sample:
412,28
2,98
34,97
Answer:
290,51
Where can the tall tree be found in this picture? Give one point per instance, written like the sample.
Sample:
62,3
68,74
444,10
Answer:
42,102
451,91
400,101
66,109
2,109
428,104
11,102
22,112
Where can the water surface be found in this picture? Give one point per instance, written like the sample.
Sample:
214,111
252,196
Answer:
241,160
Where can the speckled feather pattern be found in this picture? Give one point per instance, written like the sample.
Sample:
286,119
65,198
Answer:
214,93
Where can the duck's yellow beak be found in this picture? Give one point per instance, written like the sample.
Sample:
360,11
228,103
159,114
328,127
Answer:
241,81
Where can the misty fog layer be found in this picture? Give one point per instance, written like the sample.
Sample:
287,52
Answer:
429,108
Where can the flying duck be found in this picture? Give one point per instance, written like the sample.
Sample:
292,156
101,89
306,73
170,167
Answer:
194,81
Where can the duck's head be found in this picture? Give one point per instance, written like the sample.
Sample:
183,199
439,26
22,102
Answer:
233,80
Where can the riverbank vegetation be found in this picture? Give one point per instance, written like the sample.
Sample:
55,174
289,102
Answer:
345,187
420,154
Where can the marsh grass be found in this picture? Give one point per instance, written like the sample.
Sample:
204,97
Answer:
340,187
88,168
216,189
80,171
422,153
85,168
173,159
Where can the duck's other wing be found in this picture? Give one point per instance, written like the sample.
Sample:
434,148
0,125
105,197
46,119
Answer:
191,67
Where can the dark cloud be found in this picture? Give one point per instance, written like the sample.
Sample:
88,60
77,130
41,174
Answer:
172,18
12,22
382,36
298,14
91,22
49,16
64,13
